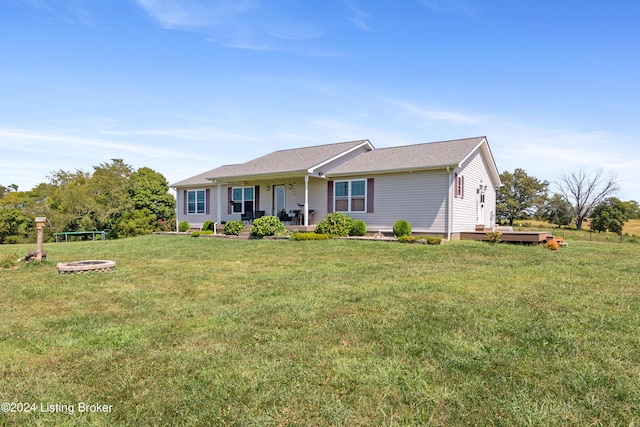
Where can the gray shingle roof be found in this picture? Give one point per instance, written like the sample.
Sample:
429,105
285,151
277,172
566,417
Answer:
277,162
201,179
431,155
410,157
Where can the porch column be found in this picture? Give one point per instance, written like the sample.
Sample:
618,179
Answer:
219,204
306,200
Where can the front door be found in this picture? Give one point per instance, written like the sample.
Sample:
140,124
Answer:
481,205
279,203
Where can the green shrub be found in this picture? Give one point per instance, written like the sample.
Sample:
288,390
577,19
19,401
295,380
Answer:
209,226
494,236
434,240
8,261
233,228
310,236
13,240
358,228
401,228
336,223
200,233
183,226
267,226
423,240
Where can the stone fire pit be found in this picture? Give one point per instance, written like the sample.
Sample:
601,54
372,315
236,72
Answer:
85,266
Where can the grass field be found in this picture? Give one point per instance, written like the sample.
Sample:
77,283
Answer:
202,331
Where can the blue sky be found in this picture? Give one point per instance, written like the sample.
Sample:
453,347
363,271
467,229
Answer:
186,86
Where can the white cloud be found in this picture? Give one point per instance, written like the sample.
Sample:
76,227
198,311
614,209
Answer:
357,16
435,115
192,14
243,24
453,7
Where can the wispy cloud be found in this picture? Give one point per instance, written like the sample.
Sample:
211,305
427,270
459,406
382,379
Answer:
193,14
57,142
70,12
357,16
194,134
240,24
452,7
35,154
433,115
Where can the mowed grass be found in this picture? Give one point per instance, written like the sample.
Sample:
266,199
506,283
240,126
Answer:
203,331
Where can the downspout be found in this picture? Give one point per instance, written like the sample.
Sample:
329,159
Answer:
449,204
306,200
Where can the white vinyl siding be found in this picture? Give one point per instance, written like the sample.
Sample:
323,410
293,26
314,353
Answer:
192,205
418,197
465,210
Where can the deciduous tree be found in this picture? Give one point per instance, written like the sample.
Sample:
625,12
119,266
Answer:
557,211
584,190
519,195
610,215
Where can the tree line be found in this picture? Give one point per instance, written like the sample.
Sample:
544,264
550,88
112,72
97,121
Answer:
113,197
582,195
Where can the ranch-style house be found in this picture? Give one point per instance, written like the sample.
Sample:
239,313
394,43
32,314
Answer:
442,188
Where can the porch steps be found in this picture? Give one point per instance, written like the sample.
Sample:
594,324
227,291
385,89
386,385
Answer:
244,234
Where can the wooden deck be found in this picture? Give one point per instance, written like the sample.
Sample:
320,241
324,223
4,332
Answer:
527,237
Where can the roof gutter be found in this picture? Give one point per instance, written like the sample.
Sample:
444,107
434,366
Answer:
396,170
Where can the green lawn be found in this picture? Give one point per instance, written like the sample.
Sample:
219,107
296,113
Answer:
196,331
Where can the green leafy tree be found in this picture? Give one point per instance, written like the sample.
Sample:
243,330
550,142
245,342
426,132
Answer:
15,225
137,222
4,190
557,211
109,188
610,215
71,205
585,190
519,195
634,208
150,190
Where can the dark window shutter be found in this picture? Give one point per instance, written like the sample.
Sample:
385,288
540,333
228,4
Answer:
370,195
329,196
462,185
229,205
207,201
184,202
455,185
256,206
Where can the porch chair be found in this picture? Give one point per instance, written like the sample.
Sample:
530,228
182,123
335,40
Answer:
247,216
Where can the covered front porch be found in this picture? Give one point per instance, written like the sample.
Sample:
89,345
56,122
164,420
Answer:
294,199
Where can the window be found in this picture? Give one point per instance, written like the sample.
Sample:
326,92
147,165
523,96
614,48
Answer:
350,196
242,198
459,183
196,201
